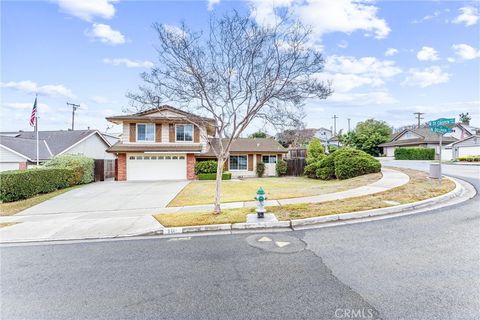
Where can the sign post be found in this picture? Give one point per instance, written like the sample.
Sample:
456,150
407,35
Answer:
441,126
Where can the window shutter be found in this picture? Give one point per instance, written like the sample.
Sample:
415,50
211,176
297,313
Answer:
279,156
171,132
250,162
259,158
158,132
196,134
133,132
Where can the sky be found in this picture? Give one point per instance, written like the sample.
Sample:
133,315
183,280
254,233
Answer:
387,59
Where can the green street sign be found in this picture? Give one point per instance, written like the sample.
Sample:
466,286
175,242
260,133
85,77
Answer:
441,129
442,122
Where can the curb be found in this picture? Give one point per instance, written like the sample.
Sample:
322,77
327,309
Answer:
299,223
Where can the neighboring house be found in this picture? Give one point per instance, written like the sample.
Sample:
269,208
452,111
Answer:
18,150
469,146
462,131
164,143
415,138
323,134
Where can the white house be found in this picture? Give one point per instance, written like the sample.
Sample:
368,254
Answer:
469,146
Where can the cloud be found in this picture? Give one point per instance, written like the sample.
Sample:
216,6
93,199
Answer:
364,98
88,9
42,107
326,16
366,66
390,52
426,77
465,52
105,34
100,99
427,54
468,16
28,86
212,3
128,63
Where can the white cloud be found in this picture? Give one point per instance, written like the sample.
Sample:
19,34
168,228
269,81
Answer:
390,52
426,77
326,16
427,54
100,99
42,107
212,3
468,16
128,63
174,30
88,9
53,90
465,52
105,34
364,98
366,65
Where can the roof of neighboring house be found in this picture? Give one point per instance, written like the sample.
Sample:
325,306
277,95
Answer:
56,142
470,129
144,115
135,147
475,137
26,148
425,136
247,145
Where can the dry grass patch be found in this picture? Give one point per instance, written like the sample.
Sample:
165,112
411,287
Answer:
420,187
202,192
10,208
7,224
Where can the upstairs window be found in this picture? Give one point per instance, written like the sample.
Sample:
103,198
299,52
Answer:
184,132
145,132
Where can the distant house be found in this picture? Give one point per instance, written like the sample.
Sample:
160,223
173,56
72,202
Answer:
415,138
469,146
462,131
323,134
18,150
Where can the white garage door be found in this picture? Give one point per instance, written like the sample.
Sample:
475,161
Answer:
156,167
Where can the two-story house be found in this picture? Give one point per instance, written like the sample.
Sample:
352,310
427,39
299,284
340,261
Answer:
164,143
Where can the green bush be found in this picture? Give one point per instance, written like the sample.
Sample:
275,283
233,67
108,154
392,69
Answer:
281,168
414,154
23,184
82,165
213,176
314,151
326,168
469,158
332,148
351,163
311,169
260,169
208,166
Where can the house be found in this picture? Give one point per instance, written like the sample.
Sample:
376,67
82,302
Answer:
164,143
18,150
323,134
461,131
469,146
415,138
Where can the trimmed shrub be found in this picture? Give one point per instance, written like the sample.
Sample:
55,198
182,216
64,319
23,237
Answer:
414,154
314,151
281,168
260,169
213,176
353,163
208,166
23,184
83,166
332,148
326,168
311,169
469,158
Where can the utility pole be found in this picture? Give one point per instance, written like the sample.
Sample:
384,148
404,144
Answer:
334,125
419,117
348,124
74,108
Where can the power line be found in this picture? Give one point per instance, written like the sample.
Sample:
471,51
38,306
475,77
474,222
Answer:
419,117
348,124
334,125
74,108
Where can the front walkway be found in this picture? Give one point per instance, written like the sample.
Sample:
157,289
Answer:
44,225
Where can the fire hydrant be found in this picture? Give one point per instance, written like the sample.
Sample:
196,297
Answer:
260,204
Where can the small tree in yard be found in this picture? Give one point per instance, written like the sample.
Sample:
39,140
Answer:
315,150
465,118
258,134
235,73
368,135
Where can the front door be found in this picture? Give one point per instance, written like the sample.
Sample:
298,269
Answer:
270,164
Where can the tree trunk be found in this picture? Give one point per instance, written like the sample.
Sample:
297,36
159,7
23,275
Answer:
218,186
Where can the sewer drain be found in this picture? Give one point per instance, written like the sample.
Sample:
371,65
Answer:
276,243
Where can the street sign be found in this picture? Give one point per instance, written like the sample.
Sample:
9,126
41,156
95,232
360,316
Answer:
441,129
444,122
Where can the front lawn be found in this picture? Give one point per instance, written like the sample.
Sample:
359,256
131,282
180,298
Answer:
420,187
202,192
10,208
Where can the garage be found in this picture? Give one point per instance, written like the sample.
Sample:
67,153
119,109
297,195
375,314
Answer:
143,167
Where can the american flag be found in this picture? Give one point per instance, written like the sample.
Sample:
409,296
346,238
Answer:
33,116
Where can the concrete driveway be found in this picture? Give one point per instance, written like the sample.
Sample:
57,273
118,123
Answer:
111,198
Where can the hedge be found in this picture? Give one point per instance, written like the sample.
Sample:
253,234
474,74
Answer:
23,184
213,176
414,154
208,166
326,168
281,168
84,166
260,169
469,158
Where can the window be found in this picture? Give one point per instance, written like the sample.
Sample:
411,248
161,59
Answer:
238,162
160,158
132,158
184,132
153,158
181,157
269,159
146,158
168,157
139,158
145,132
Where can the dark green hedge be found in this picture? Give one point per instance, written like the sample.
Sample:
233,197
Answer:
414,154
208,166
326,168
23,184
281,168
213,176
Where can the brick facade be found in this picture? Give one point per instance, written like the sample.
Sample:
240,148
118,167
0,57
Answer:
22,166
121,172
191,166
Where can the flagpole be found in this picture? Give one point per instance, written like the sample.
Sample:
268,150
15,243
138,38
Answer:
36,129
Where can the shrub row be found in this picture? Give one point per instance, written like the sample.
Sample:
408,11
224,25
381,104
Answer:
208,166
469,158
83,166
414,154
22,184
213,176
281,168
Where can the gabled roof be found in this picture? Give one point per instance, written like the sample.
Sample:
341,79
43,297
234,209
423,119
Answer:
247,145
150,115
26,148
425,136
476,137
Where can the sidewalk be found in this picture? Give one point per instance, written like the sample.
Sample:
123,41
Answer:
68,226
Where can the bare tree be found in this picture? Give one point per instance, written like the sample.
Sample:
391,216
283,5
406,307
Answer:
237,72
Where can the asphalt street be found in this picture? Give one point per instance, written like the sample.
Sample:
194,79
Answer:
424,266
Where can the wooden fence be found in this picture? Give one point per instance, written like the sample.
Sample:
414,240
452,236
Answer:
296,161
104,169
